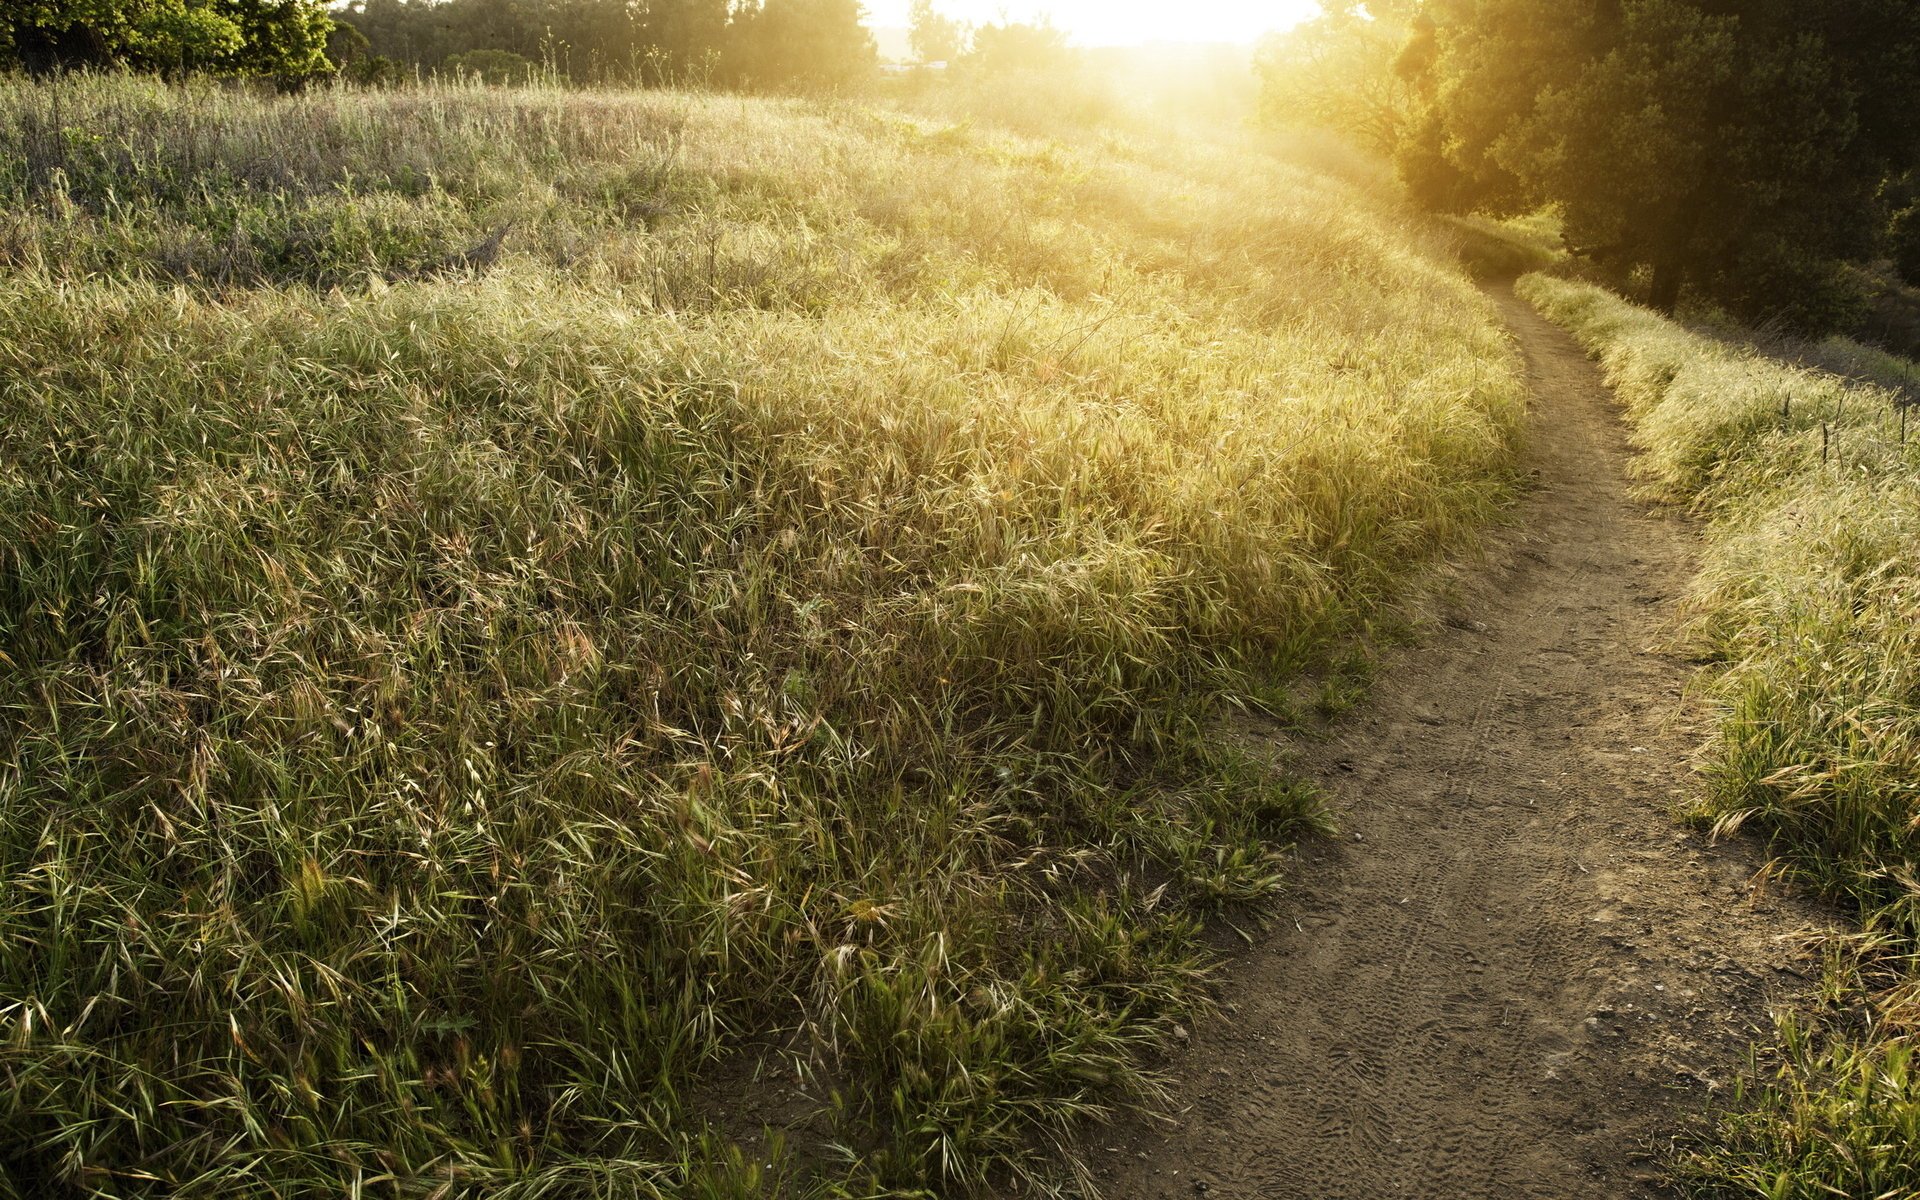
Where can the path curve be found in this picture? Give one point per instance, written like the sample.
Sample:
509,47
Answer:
1511,975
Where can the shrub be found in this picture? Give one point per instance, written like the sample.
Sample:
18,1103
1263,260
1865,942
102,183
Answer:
490,66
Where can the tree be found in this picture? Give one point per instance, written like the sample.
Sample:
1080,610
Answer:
1019,46
346,45
227,37
1734,147
278,37
650,41
682,38
934,36
1338,72
803,44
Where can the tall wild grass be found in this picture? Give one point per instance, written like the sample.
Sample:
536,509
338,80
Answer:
1809,596
539,631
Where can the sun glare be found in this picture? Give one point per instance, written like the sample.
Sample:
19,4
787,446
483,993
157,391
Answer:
1121,22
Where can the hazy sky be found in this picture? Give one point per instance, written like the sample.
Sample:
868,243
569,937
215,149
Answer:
1123,22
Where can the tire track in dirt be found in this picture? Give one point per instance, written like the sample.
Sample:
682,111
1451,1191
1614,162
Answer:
1511,975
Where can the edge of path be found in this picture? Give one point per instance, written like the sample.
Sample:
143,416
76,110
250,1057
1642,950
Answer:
1511,973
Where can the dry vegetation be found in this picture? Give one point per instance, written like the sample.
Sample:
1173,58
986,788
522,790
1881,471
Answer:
1810,598
766,608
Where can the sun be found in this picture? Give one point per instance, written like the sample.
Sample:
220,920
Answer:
1122,22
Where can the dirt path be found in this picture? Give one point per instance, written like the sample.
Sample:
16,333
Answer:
1512,975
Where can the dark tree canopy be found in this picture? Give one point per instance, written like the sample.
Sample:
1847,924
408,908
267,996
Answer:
1737,147
228,37
1903,200
800,43
430,34
771,43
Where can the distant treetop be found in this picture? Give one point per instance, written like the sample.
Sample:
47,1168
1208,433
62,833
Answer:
223,37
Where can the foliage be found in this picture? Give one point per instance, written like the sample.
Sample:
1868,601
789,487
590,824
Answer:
346,45
1833,1118
376,70
781,45
1337,72
750,643
934,36
1810,599
771,44
799,44
1019,46
1736,149
229,37
491,66
353,59
1904,234
590,41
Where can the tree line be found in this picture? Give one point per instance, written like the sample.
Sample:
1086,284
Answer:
778,44
764,43
759,43
750,43
1748,152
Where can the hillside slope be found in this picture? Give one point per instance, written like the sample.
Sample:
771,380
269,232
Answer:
525,611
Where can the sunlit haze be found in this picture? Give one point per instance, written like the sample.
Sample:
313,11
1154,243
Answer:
1121,22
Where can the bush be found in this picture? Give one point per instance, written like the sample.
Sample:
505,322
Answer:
375,70
490,66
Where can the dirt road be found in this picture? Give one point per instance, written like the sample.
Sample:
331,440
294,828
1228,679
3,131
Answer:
1511,975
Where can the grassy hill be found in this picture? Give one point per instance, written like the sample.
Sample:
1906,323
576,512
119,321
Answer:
540,631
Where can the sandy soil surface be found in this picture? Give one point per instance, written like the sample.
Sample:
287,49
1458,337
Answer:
1511,974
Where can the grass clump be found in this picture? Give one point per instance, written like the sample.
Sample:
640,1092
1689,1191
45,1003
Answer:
1809,596
774,612
1835,1117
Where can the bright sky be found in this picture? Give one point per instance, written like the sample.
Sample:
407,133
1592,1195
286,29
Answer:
1122,22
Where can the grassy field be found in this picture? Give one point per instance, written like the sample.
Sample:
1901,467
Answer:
1810,598
541,631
